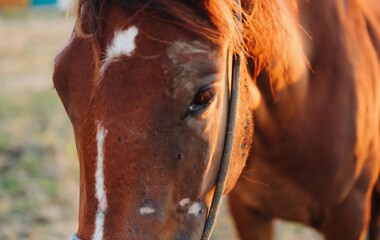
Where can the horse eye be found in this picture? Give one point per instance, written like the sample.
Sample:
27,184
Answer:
202,99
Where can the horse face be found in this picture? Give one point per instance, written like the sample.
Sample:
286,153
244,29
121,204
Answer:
149,128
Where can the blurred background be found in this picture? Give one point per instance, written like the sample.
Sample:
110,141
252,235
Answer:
38,165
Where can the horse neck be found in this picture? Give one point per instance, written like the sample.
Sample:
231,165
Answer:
310,36
333,26
290,67
300,92
322,19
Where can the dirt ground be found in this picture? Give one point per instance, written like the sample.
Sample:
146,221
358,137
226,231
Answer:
38,166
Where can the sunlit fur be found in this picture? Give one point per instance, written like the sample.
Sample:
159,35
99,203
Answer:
261,30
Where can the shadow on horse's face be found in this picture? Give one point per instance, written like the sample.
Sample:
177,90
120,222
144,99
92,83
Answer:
149,128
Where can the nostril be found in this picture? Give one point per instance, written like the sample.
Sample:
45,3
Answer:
180,156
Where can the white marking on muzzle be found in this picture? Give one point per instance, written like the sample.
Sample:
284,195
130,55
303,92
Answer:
184,202
123,43
146,211
195,209
99,185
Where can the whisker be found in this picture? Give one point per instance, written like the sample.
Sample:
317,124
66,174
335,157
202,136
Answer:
255,181
251,170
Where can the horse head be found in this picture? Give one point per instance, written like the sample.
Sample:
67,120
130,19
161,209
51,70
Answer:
145,85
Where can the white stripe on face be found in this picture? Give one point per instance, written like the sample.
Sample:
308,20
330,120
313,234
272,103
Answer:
99,225
123,43
99,184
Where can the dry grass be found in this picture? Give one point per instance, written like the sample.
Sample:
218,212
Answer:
38,176
38,166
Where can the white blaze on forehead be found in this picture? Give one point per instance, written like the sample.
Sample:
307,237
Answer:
184,202
99,184
146,211
123,43
195,209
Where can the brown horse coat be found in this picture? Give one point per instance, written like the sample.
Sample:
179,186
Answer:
317,131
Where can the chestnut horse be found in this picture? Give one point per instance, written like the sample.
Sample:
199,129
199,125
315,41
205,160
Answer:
144,85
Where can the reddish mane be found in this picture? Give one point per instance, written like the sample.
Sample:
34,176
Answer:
212,19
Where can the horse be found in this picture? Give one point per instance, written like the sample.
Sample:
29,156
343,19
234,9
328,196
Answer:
146,85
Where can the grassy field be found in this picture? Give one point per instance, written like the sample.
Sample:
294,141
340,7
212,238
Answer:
38,166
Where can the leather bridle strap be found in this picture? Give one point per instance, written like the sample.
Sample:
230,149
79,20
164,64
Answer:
229,139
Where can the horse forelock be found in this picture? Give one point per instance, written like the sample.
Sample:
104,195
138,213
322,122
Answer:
213,20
